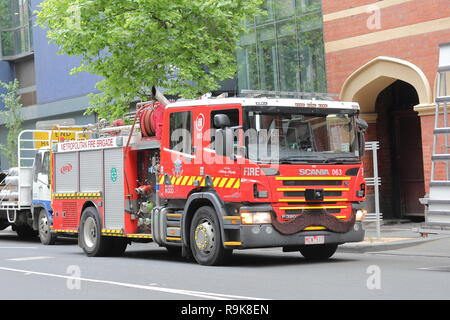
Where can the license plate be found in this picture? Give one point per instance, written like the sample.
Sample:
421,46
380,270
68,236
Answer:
314,240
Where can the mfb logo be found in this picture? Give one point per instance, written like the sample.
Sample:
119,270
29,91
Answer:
200,122
66,169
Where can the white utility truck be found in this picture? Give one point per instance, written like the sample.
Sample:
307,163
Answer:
25,190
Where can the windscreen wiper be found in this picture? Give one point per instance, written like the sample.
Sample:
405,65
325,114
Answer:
305,158
302,161
342,159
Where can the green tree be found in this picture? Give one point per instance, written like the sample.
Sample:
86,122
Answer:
12,116
185,46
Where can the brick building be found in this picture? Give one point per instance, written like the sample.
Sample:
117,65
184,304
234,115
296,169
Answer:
384,55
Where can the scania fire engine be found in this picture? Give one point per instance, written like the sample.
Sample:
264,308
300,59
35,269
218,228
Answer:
206,177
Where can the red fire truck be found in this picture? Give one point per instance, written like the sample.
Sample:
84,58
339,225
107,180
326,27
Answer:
206,177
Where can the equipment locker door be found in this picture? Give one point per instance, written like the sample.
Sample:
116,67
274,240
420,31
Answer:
114,189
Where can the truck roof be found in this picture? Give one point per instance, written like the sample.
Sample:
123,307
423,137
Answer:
267,102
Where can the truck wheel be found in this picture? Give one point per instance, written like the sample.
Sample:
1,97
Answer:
25,232
206,239
46,236
318,252
117,247
174,250
90,236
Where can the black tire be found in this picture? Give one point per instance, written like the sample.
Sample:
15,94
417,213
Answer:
117,247
45,234
206,239
318,252
3,226
174,250
25,232
90,237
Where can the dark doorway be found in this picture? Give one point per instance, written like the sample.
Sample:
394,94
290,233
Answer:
401,161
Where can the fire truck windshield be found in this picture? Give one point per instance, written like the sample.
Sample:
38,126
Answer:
297,137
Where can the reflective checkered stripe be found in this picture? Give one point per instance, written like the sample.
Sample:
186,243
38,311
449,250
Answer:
218,182
109,233
113,233
120,233
139,236
81,195
63,230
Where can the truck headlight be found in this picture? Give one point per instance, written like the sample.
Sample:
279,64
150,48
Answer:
361,215
256,217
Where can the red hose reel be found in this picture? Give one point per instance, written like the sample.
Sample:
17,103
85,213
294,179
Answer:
151,117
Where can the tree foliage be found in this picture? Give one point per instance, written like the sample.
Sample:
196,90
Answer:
185,46
12,116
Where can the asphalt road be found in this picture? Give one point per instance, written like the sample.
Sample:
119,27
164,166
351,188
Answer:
29,270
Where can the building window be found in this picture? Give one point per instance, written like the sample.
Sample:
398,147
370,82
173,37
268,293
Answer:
284,50
15,29
24,70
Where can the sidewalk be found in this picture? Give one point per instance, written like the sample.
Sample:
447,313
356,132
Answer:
394,235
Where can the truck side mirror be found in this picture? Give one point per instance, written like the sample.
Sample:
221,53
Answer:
362,124
224,142
362,127
46,166
37,166
362,143
221,121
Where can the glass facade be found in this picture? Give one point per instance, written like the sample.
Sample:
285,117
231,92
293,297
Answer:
15,28
284,49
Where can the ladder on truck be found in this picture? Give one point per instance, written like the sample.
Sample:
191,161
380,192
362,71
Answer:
437,215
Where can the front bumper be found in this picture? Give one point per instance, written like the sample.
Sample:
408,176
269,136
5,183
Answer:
264,235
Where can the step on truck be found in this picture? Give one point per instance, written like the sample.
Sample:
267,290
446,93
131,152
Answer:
205,177
25,190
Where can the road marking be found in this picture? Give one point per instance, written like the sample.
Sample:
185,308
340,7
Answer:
200,294
29,258
18,247
399,254
439,268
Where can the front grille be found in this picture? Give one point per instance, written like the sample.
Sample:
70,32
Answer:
302,194
297,211
310,203
312,183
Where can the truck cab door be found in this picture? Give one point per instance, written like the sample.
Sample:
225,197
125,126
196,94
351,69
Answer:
221,148
41,176
178,156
